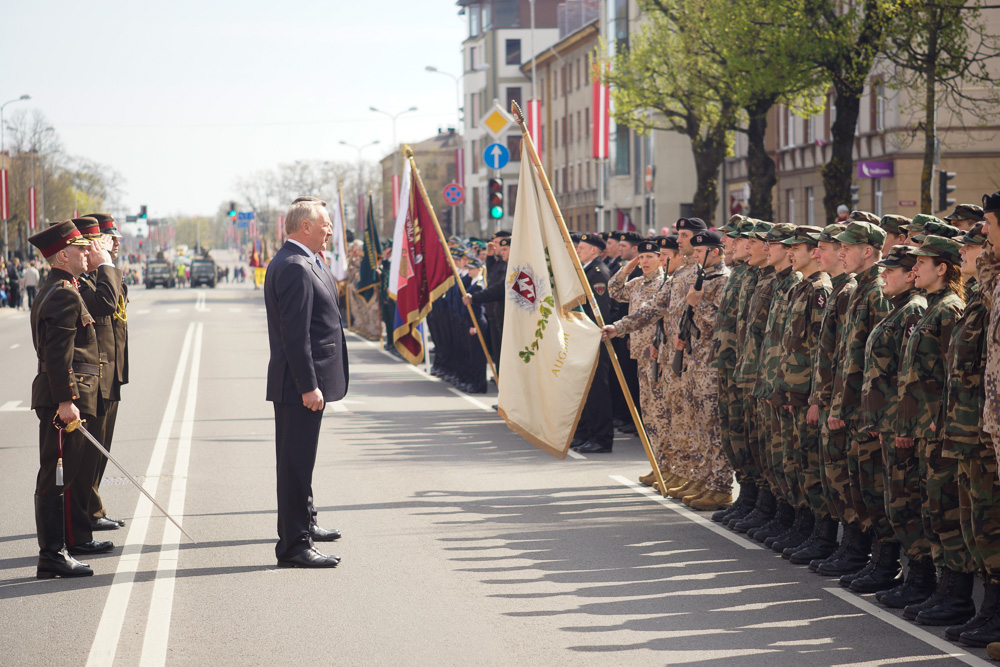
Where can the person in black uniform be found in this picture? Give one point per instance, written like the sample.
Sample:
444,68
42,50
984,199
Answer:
66,387
595,432
388,306
493,296
105,294
628,249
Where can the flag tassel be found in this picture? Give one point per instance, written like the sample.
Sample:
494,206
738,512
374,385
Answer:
533,156
451,262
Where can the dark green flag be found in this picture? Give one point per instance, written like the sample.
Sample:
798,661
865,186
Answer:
368,278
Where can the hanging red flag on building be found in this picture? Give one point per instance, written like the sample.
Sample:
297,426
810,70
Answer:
31,208
533,119
4,204
601,116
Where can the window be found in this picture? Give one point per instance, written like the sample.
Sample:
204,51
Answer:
878,106
555,132
514,146
579,78
637,165
472,59
810,207
568,129
790,206
579,127
622,158
586,121
513,52
475,152
514,95
621,25
474,25
807,126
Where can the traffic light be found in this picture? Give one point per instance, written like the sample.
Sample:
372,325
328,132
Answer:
142,212
495,190
232,212
944,201
855,196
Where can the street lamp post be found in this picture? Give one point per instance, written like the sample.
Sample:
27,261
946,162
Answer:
359,149
3,163
395,146
41,199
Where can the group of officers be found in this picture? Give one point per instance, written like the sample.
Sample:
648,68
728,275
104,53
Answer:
80,334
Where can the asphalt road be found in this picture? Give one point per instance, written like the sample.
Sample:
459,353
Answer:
463,544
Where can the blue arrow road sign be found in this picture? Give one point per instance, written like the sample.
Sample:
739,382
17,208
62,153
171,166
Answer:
496,156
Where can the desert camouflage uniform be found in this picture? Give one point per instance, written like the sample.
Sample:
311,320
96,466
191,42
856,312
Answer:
922,379
867,307
807,304
777,423
833,448
639,292
700,381
723,357
896,484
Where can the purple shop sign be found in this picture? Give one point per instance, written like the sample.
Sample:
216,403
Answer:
875,170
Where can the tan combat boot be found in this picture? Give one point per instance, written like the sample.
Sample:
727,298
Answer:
679,491
711,501
693,492
648,479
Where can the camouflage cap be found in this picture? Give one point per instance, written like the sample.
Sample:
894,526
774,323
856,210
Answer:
742,230
937,229
733,224
863,216
901,256
779,232
858,233
760,230
975,236
804,234
894,224
830,232
941,247
966,212
917,224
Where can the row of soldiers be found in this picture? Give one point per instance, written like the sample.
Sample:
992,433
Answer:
840,375
80,334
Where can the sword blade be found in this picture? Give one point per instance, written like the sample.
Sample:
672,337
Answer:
132,479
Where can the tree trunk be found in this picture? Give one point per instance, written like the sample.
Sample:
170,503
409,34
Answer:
930,120
709,154
760,166
837,172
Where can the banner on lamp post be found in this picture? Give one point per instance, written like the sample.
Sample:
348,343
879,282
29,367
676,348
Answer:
31,208
4,212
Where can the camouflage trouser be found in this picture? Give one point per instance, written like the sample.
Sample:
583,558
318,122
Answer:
766,426
709,463
677,423
940,508
804,451
903,497
781,434
744,464
726,396
753,434
868,476
979,499
836,480
654,414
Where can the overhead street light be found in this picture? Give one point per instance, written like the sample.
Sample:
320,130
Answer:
3,164
395,145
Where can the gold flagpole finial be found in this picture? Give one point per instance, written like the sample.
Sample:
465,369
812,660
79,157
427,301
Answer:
516,110
407,151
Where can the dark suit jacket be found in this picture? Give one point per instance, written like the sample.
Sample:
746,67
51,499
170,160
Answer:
308,348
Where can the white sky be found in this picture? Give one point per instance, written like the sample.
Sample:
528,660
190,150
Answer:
183,97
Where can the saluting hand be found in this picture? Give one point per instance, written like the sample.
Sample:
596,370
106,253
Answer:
313,400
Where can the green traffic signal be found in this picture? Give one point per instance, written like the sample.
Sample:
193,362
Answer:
496,212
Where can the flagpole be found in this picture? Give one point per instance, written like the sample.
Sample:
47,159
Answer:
347,258
533,155
451,262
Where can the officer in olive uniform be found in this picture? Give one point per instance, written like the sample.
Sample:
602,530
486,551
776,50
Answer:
66,387
595,432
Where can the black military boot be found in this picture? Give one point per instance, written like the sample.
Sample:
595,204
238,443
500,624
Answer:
743,505
910,611
956,606
987,613
854,558
918,586
798,535
821,544
53,560
847,579
841,548
885,572
762,513
796,522
782,521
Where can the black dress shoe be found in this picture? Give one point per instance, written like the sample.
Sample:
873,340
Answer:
104,523
90,548
309,558
593,448
324,535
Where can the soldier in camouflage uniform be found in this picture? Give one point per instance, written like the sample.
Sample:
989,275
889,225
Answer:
894,232
637,293
964,439
879,393
823,540
806,305
922,379
750,335
965,216
770,410
861,248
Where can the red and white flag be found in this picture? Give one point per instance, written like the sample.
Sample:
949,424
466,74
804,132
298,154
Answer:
31,208
4,204
534,122
601,115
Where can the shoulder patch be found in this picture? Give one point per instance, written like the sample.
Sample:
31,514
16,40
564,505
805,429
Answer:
600,288
821,300
911,327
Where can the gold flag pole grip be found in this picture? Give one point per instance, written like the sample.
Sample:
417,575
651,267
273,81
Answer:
408,152
533,155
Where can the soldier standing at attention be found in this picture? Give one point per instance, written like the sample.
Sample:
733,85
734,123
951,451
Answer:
894,482
894,232
66,387
922,380
806,305
965,216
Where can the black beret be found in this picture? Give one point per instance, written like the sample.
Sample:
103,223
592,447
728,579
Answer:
708,238
649,246
503,241
668,243
501,234
628,237
691,224
593,239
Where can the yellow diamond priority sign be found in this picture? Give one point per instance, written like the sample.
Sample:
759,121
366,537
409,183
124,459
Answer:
495,121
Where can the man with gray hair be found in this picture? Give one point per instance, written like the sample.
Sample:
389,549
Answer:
307,369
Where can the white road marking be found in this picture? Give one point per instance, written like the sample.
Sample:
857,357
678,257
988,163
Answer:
154,643
201,297
144,311
102,651
946,647
235,310
338,407
691,515
576,455
479,404
15,346
13,406
173,310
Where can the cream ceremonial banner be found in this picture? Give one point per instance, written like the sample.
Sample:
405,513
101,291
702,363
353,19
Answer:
549,350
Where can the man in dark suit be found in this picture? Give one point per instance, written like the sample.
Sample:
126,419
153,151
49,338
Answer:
308,368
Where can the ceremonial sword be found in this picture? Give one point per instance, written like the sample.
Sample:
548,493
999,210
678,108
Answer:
77,424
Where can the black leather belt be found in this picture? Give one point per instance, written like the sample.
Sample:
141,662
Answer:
78,367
